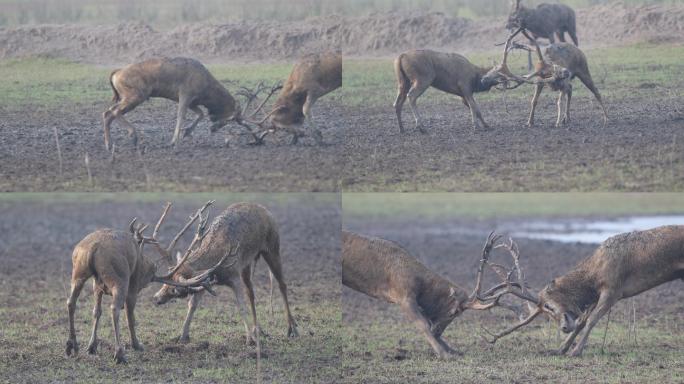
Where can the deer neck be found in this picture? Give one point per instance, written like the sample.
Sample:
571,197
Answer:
219,102
579,289
477,81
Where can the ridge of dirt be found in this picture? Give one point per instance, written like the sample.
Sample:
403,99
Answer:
371,35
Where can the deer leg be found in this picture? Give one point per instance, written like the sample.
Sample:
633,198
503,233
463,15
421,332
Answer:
192,306
183,104
117,112
567,343
256,330
535,99
413,94
277,272
240,302
561,36
200,115
308,115
605,302
76,287
475,113
97,312
566,116
117,303
412,311
559,103
130,318
399,104
437,332
107,118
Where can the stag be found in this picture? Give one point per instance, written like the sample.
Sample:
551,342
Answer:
623,266
183,80
384,270
314,76
254,228
452,73
115,259
546,21
558,65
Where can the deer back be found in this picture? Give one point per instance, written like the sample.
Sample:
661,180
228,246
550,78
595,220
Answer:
384,270
109,255
250,225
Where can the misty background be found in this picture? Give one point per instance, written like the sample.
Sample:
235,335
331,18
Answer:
168,13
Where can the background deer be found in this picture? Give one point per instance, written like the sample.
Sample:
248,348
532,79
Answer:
115,259
384,270
452,73
545,21
314,76
254,229
623,266
183,80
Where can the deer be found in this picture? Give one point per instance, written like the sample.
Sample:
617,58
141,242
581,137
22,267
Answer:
313,77
382,269
180,79
115,260
254,228
623,266
558,65
417,70
545,21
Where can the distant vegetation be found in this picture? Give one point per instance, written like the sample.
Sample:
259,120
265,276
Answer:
167,13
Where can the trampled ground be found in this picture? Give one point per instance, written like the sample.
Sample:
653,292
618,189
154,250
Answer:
38,237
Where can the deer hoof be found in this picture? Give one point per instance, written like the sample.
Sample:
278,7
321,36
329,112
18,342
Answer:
292,331
183,340
119,356
575,352
92,348
71,347
138,347
421,129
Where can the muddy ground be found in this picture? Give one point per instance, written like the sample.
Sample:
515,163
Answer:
640,148
202,163
381,346
35,265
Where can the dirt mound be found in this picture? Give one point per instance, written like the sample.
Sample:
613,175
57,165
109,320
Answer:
375,34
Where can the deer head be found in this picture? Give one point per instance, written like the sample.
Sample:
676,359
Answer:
500,74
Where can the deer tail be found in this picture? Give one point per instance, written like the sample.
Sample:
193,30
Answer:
116,98
402,79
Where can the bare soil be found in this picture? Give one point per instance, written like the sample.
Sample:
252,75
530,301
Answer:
375,34
204,162
35,267
643,133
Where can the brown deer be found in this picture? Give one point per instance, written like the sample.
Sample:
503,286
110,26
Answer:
545,21
115,259
314,76
558,64
183,80
384,270
255,229
623,266
452,73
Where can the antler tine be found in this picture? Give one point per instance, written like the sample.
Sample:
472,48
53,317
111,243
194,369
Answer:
486,249
203,279
497,336
536,45
161,220
199,236
274,89
192,219
131,225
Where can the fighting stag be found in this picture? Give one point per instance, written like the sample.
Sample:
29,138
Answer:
558,65
314,76
384,270
418,70
116,261
183,80
545,21
623,266
254,229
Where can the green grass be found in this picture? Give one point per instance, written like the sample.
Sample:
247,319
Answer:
521,358
616,72
488,205
50,83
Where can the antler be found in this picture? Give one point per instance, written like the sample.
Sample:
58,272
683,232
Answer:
252,95
168,251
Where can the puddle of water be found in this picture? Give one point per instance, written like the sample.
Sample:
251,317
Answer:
593,232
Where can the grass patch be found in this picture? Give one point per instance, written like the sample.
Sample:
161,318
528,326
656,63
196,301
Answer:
616,72
52,82
488,205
